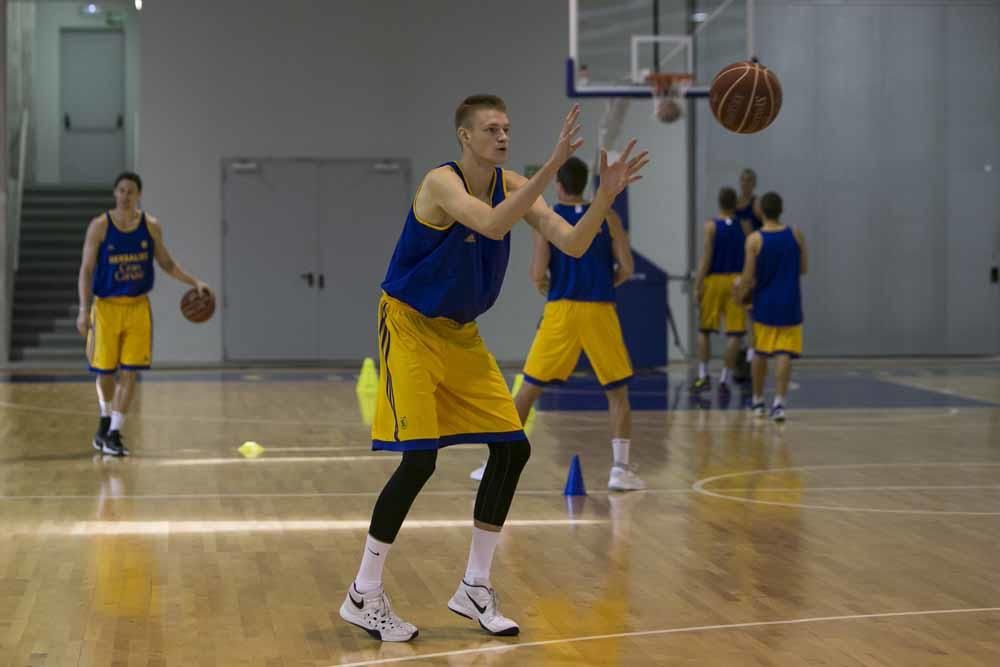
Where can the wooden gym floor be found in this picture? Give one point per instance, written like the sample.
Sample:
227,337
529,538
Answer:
865,531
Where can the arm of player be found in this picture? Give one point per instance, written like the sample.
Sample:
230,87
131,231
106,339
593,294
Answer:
620,249
575,239
803,255
707,250
540,264
167,262
745,284
96,231
443,194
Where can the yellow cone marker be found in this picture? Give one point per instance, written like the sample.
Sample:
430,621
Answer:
368,378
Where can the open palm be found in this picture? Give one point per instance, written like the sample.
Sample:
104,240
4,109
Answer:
624,171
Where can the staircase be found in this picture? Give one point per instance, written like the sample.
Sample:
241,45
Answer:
53,226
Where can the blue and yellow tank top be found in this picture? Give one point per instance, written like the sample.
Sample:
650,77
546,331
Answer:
777,297
747,213
124,261
590,277
451,272
728,249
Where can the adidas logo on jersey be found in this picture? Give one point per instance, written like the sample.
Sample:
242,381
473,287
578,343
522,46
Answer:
471,238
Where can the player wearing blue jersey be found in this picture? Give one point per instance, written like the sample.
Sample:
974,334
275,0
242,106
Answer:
116,275
580,315
775,260
720,266
438,384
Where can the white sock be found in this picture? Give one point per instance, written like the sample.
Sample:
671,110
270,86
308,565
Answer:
619,447
372,561
484,543
757,399
702,370
749,354
779,400
117,421
105,408
724,378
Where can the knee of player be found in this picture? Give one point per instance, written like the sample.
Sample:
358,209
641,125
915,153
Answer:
420,463
519,452
618,395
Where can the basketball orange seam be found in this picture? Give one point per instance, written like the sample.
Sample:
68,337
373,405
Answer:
753,91
722,102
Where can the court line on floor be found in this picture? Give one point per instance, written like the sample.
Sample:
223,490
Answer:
176,418
670,631
472,492
326,494
699,487
854,421
211,526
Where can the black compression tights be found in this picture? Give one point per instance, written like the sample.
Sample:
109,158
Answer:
496,491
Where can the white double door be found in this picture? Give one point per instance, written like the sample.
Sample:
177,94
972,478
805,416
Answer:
306,247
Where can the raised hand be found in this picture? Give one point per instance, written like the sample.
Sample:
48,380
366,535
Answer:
568,141
623,171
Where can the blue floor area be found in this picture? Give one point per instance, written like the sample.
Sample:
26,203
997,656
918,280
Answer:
812,388
815,390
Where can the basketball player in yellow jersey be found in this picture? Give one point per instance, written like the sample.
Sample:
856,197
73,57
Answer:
580,315
438,383
720,265
775,261
116,273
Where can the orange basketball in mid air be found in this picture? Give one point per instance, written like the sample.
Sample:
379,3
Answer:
745,97
197,307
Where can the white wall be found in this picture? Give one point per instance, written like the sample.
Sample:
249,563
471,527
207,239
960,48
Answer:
344,79
50,18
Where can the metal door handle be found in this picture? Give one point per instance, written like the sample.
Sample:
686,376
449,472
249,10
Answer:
66,122
120,122
309,278
322,281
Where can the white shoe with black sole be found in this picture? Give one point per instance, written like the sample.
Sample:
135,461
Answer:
479,603
372,613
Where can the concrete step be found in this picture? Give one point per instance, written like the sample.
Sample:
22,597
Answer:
51,339
52,251
40,325
60,236
80,217
55,295
48,266
42,309
77,354
74,226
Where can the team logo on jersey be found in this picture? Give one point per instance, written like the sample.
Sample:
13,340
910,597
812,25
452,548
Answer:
403,424
471,238
111,247
144,244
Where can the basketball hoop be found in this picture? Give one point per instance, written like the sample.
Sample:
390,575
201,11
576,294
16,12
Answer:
668,94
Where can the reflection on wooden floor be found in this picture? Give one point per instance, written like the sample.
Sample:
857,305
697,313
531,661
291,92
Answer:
849,536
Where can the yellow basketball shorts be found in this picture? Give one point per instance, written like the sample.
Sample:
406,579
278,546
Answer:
121,334
438,385
769,341
717,304
567,327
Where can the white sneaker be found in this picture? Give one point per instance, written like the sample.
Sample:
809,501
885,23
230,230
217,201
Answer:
477,474
778,413
373,613
758,410
623,478
480,603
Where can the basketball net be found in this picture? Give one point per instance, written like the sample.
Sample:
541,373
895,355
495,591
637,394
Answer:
668,95
609,130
